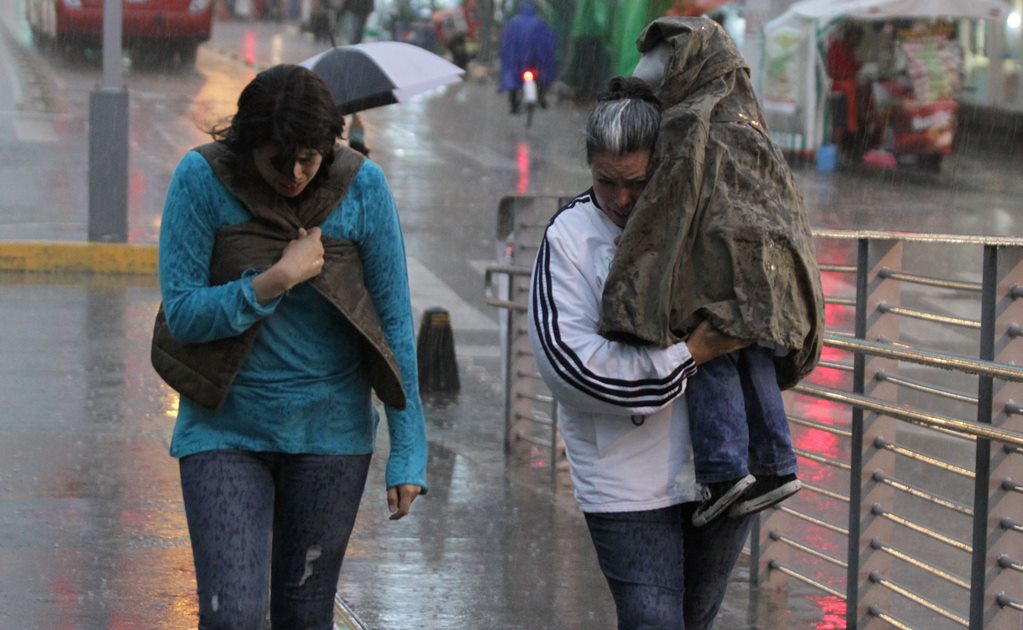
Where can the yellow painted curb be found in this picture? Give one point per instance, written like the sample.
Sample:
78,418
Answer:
78,257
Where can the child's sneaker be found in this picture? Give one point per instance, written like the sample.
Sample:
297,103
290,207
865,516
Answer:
722,495
768,490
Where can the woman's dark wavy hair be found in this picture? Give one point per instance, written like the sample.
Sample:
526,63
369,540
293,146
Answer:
287,105
626,118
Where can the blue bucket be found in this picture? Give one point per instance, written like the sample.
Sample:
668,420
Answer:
827,158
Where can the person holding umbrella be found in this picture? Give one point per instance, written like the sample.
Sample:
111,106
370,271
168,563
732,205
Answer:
364,76
357,135
285,306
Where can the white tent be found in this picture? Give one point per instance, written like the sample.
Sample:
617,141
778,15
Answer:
885,9
794,75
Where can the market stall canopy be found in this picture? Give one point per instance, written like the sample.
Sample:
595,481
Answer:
886,9
794,80
696,7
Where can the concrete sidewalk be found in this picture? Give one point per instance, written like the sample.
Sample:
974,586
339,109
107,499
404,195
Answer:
92,531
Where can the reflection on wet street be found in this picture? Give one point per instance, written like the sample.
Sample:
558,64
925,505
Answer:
91,522
92,531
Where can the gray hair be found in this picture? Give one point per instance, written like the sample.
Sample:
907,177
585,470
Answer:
622,122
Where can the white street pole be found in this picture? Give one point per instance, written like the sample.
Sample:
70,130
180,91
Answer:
113,13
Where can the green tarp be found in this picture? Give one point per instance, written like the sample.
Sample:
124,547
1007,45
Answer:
603,40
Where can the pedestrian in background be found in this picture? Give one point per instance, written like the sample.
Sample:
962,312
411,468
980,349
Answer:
528,43
285,301
622,411
843,66
359,11
357,135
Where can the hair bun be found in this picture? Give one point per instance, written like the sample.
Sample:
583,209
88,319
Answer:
624,88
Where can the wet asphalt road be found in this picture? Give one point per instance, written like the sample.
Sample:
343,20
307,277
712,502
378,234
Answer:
91,528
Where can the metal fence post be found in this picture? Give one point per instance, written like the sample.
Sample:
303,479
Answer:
754,553
554,442
985,393
856,448
1000,560
509,378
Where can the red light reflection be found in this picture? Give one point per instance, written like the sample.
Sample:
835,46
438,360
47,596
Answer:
522,161
820,443
837,316
249,42
833,617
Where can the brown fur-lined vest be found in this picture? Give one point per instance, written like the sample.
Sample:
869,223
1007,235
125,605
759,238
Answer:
204,372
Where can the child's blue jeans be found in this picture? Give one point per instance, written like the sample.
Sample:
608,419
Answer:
737,419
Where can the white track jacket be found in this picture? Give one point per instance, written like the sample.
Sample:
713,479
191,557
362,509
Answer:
622,410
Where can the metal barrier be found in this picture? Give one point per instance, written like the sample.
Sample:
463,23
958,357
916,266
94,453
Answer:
909,432
530,410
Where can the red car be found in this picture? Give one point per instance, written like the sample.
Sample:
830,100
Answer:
171,26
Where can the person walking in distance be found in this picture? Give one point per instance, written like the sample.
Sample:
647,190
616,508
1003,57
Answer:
285,306
359,11
528,43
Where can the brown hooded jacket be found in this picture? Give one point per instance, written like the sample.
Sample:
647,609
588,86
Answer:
720,231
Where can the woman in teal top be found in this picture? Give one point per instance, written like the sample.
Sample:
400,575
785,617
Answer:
253,244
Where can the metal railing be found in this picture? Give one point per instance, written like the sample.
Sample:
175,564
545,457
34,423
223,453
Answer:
530,411
927,460
909,432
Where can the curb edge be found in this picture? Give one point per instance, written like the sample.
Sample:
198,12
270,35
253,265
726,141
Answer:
53,256
344,617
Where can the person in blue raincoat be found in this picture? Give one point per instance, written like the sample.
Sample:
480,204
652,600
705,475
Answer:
528,43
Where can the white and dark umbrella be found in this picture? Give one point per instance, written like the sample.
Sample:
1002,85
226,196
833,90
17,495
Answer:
362,76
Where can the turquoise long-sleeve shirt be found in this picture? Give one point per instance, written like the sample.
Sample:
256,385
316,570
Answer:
304,387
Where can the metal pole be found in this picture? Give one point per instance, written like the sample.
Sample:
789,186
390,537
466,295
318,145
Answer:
509,363
985,400
554,443
754,553
112,17
852,576
108,138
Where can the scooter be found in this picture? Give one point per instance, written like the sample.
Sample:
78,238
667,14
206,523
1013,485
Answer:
530,94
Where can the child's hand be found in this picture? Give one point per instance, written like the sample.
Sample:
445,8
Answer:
707,343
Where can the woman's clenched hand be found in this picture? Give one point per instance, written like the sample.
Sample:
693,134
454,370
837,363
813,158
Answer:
301,260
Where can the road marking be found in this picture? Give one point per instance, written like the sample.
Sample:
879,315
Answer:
429,291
